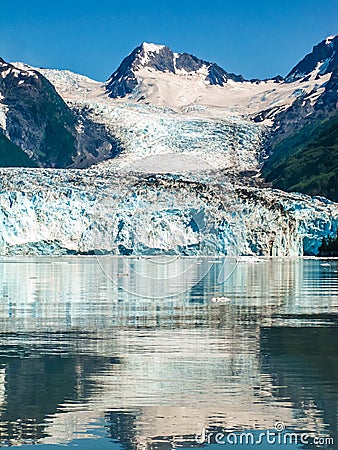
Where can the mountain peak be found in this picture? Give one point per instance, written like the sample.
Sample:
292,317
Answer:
323,59
161,59
150,47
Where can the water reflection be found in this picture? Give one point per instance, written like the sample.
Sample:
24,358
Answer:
82,357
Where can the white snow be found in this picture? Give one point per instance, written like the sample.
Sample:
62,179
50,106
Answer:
326,63
19,67
5,73
153,48
3,112
183,89
329,39
67,83
187,120
3,119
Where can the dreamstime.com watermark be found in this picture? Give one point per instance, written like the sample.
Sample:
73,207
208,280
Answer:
277,436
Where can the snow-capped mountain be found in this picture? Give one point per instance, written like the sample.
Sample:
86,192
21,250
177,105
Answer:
316,75
323,59
156,74
160,58
180,145
35,118
38,128
303,137
173,108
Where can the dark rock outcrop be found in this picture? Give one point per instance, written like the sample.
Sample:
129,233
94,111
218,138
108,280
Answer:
41,129
324,53
37,120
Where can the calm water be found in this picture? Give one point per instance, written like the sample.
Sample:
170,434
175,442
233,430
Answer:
87,362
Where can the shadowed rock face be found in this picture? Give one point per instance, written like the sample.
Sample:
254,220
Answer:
38,120
188,62
328,101
41,128
123,81
325,53
162,59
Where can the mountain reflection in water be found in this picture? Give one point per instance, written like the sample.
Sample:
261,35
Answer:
81,357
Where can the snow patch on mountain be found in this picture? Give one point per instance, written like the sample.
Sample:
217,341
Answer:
149,47
329,39
69,85
244,98
322,60
18,69
3,113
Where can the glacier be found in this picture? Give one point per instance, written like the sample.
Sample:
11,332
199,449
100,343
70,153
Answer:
99,211
186,181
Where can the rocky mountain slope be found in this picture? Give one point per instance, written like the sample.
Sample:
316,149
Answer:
43,129
36,120
323,59
11,155
307,161
161,59
303,142
317,71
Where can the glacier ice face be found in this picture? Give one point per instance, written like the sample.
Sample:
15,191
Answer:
103,211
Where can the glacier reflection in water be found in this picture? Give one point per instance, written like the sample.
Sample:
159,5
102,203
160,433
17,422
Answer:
83,359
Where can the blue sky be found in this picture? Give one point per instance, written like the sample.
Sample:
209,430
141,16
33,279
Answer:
257,38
